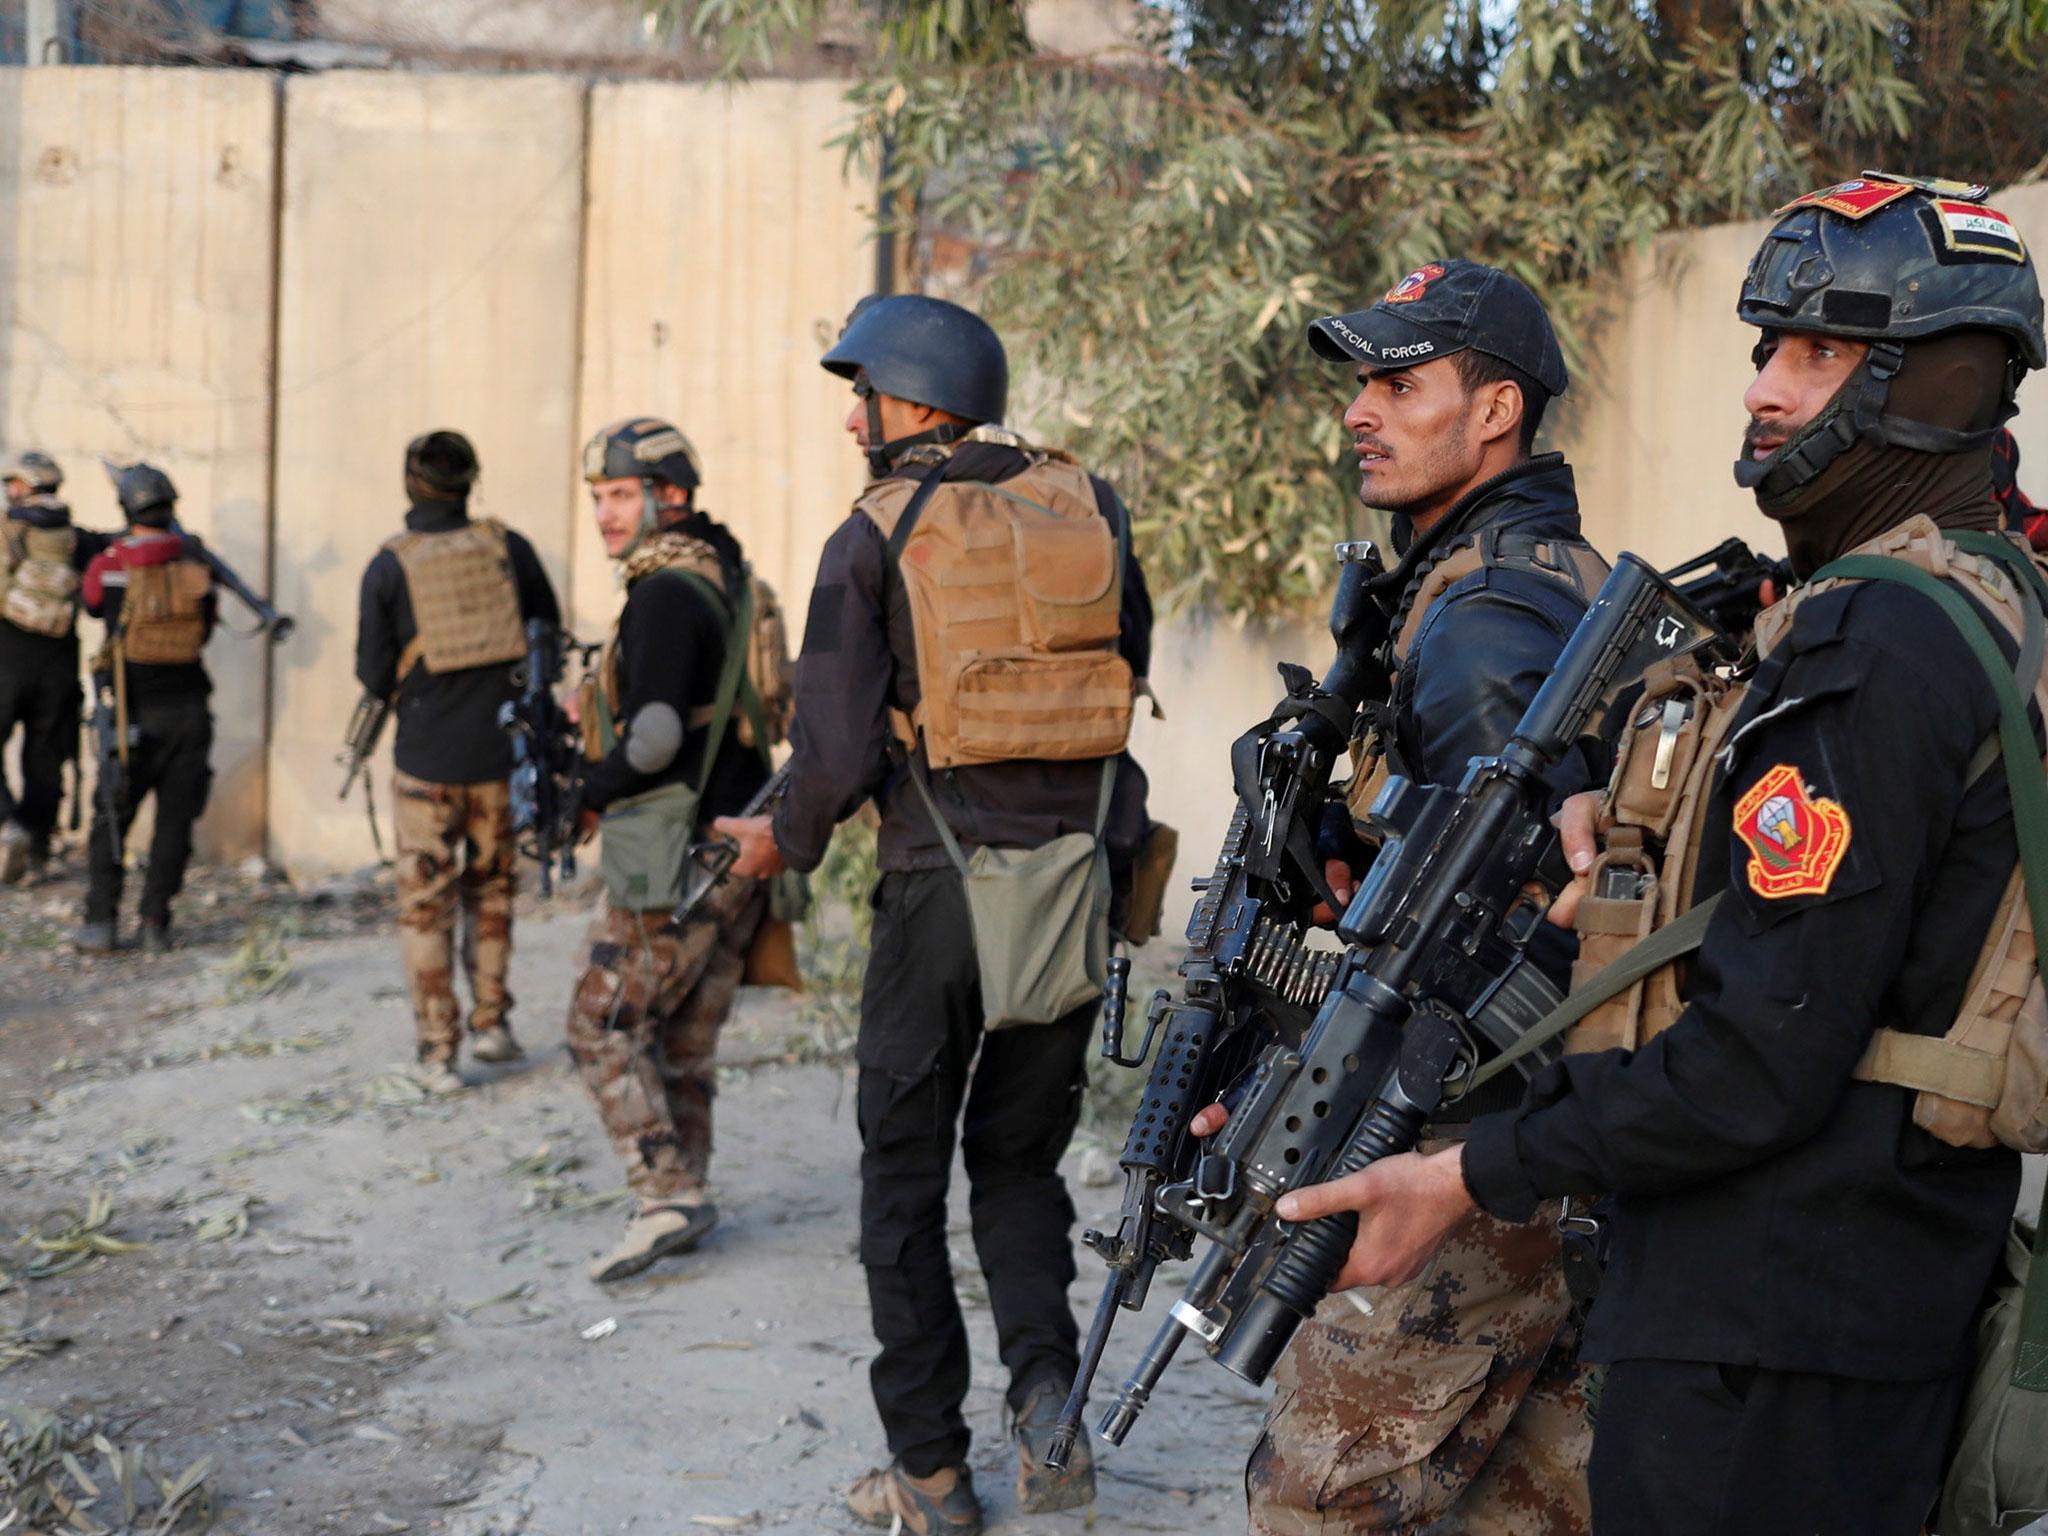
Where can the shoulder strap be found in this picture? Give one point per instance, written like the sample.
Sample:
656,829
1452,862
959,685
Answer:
906,523
738,620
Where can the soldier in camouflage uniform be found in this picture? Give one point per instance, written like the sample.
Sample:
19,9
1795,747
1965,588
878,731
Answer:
442,627
644,1019
1455,1403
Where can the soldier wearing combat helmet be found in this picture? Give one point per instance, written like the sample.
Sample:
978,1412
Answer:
1810,1129
677,726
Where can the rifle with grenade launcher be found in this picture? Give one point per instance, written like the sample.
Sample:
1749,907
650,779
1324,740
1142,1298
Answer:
1435,945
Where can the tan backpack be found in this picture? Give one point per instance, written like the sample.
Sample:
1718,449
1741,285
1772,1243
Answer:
40,582
163,613
465,603
1016,592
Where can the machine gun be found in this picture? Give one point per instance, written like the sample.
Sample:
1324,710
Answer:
547,755
1434,941
1725,584
1249,974
364,727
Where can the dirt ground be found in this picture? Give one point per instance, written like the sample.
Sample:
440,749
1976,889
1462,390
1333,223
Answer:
370,1310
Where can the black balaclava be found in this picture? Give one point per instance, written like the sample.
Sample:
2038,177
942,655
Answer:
1957,382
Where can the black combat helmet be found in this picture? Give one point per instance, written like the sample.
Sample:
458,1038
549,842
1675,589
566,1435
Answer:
927,351
146,494
36,469
1890,260
440,466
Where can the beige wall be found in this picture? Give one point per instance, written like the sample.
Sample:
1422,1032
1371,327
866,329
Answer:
136,271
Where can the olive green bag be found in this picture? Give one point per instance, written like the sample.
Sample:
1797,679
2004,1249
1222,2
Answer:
1040,916
1997,1478
647,836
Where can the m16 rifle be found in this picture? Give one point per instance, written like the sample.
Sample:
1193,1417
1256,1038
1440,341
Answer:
1434,937
547,755
1249,974
364,727
1726,584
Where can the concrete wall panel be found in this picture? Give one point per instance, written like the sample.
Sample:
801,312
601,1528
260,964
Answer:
136,266
724,247
429,261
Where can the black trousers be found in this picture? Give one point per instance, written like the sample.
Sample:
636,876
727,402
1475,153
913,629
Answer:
1689,1449
167,758
41,696
925,1065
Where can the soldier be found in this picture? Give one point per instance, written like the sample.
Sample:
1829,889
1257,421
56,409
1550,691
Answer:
441,626
1456,367
1800,1239
677,727
41,556
1023,753
158,602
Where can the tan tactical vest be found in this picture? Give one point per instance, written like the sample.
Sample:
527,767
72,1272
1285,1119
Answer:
38,582
770,671
1016,592
1566,561
1983,1083
163,612
465,603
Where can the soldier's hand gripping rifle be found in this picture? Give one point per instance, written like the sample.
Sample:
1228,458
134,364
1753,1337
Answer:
1726,584
707,862
1248,975
547,756
364,727
1461,879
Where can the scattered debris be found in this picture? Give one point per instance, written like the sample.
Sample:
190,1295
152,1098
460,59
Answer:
76,1239
44,1483
551,1191
22,1345
261,967
599,1330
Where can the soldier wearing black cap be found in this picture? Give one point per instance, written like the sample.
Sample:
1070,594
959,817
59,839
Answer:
1476,1363
1809,1128
41,558
922,686
157,599
441,626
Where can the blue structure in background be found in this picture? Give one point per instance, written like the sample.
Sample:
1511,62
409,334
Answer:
176,22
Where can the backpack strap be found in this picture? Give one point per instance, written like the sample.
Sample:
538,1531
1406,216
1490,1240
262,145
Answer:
738,622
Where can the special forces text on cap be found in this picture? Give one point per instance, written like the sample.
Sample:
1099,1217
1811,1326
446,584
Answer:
1444,307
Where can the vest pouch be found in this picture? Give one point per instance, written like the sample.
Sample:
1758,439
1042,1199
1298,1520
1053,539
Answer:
1150,877
1061,708
41,595
1041,928
163,615
646,843
1614,916
1657,758
1067,592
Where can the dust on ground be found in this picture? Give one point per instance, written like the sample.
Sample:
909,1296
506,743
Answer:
236,1241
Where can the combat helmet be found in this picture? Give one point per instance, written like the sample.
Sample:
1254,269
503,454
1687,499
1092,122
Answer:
647,449
34,468
1889,260
925,350
146,494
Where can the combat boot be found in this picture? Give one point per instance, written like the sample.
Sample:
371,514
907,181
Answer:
653,1233
93,938
14,841
1040,1489
495,1045
156,938
940,1505
438,1077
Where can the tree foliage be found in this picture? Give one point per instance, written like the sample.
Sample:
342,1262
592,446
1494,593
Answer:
1151,234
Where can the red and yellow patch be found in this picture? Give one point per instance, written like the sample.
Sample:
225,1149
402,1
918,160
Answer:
1851,199
1414,285
1796,839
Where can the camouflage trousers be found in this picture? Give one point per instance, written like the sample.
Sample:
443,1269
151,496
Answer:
455,852
643,1028
1457,1408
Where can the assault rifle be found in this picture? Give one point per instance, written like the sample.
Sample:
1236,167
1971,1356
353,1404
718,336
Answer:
272,625
1434,938
547,755
364,727
111,738
1249,974
706,863
1725,584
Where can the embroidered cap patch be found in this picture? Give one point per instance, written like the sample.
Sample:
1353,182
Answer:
1796,839
1851,199
1414,285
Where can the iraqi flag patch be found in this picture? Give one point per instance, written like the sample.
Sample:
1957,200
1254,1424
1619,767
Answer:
1851,199
1796,839
1978,230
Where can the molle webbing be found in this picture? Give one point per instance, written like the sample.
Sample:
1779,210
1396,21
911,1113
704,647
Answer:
38,577
163,613
1568,562
465,603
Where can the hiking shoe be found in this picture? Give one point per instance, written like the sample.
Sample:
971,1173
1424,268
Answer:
438,1077
495,1045
93,938
14,853
940,1505
156,938
656,1231
1041,1490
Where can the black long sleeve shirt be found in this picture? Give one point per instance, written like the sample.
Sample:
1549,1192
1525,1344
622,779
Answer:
447,722
1770,1210
672,640
859,661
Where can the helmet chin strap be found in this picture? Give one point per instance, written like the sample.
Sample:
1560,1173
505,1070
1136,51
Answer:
885,453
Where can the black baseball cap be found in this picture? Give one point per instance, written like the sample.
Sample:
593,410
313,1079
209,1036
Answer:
1444,307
